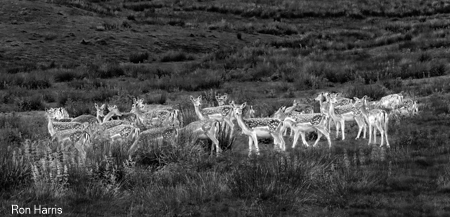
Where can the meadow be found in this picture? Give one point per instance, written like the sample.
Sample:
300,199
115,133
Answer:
74,53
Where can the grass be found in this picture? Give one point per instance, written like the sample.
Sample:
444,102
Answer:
175,56
171,177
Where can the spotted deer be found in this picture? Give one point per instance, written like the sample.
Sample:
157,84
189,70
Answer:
156,118
55,126
123,132
159,134
220,113
344,113
308,123
256,128
376,118
221,100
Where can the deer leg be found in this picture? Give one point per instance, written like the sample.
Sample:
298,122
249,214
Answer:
294,142
250,145
255,141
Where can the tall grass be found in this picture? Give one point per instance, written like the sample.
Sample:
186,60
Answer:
184,178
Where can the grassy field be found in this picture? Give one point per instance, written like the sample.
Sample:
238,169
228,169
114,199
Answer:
74,53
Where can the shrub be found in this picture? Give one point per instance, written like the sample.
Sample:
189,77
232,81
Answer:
176,22
335,73
226,141
396,85
66,76
261,71
198,80
374,91
111,71
157,98
138,57
14,168
161,155
175,56
25,67
438,104
424,57
131,17
307,81
30,103
437,68
36,82
10,136
100,95
49,96
276,28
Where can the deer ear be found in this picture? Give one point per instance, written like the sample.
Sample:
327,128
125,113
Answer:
244,104
232,103
191,97
95,105
103,106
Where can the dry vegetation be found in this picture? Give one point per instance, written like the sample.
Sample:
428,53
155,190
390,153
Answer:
70,53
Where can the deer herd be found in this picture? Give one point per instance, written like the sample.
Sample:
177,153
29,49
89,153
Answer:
164,122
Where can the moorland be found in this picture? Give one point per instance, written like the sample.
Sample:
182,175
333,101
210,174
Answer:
74,53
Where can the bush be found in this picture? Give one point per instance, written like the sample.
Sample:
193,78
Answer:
66,76
138,57
156,99
31,103
374,91
26,67
25,80
109,71
14,168
198,80
175,56
262,71
396,85
36,82
278,29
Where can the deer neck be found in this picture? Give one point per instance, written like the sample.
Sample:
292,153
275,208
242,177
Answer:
289,109
364,110
288,123
51,130
199,113
244,127
331,111
139,114
107,117
99,117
